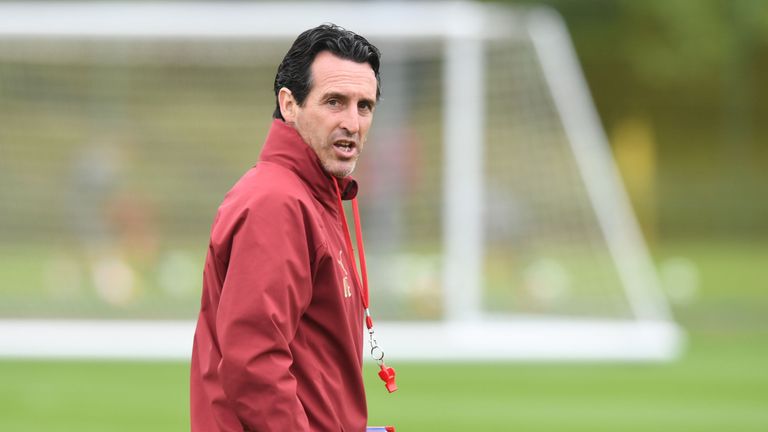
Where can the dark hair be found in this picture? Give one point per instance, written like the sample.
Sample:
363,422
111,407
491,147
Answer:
294,71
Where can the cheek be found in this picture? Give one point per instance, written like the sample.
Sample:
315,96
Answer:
324,123
312,126
365,124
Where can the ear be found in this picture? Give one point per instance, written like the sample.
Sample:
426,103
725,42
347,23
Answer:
288,105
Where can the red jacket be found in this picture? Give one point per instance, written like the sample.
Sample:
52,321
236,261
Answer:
278,344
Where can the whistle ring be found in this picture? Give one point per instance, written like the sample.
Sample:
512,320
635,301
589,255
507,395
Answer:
377,353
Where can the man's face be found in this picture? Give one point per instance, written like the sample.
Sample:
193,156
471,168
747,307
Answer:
338,111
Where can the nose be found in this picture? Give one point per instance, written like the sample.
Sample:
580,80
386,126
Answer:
350,121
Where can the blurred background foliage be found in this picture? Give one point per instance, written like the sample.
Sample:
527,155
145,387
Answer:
678,85
680,88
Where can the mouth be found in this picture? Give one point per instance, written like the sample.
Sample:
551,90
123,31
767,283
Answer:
345,148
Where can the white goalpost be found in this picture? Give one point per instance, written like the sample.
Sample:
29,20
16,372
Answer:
496,219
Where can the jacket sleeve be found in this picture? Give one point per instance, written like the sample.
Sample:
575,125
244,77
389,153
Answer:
266,289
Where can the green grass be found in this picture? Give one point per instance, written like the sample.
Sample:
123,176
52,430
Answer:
92,396
721,384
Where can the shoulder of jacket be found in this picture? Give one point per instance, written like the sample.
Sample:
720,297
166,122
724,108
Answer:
266,182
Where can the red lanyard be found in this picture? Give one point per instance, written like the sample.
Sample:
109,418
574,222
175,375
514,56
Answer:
387,374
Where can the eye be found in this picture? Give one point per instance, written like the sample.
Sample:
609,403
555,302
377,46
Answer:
333,102
365,107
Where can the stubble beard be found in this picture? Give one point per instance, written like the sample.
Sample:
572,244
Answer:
340,168
339,171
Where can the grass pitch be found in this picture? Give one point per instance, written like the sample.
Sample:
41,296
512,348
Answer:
721,384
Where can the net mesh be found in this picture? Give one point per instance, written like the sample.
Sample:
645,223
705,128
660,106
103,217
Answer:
114,156
545,250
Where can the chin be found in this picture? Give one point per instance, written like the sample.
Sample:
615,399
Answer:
342,174
340,171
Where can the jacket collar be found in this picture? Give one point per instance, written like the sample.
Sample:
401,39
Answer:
285,147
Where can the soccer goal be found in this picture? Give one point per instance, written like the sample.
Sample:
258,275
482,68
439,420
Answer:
495,219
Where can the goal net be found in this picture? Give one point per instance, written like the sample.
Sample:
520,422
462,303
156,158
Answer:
496,223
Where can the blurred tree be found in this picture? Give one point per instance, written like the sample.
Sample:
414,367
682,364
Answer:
691,67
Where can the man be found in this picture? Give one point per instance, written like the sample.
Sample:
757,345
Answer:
279,337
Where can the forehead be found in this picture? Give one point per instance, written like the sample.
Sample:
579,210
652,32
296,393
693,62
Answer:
331,74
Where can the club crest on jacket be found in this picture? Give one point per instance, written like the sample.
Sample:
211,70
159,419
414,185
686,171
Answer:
347,287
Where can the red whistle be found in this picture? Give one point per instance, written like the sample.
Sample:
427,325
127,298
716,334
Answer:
387,374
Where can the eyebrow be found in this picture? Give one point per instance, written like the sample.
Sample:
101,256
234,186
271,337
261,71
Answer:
343,97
